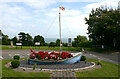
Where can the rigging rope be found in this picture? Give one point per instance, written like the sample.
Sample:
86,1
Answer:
50,25
70,32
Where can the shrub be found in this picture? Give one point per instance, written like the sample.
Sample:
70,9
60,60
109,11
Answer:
83,58
17,57
34,66
98,63
15,63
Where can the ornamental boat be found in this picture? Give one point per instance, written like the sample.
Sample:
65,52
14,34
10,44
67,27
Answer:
55,57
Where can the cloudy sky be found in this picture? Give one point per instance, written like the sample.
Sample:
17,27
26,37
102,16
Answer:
41,16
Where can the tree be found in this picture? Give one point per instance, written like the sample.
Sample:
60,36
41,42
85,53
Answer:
104,27
29,40
1,34
29,37
26,39
5,40
40,39
58,42
22,37
80,39
52,44
14,39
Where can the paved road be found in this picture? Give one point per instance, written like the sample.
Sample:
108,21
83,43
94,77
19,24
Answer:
114,58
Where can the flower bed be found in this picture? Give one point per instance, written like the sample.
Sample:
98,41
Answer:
49,55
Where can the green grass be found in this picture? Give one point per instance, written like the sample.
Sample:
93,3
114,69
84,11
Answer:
107,70
7,47
7,72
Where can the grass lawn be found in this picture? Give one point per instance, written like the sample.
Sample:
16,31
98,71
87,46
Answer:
107,70
7,72
7,47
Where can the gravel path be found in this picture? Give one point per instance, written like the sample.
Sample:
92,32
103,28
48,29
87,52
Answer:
81,64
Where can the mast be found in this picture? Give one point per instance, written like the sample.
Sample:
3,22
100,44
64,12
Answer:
60,29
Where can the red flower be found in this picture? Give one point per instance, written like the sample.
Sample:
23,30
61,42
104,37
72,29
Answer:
46,52
32,56
52,53
43,55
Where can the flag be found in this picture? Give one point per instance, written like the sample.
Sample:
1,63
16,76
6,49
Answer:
62,8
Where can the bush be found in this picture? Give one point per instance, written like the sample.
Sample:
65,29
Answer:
98,63
83,58
15,63
34,66
17,57
87,44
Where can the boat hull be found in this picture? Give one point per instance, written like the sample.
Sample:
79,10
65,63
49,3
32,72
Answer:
72,60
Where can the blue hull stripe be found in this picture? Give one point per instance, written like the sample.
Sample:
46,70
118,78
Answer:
69,61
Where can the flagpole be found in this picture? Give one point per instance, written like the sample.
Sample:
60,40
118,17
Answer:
60,29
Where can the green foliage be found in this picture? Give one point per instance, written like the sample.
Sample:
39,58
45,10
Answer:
86,44
16,57
40,39
65,44
7,47
5,40
15,40
58,42
83,58
103,27
26,39
15,63
7,72
98,62
107,70
41,68
39,57
52,44
79,39
34,66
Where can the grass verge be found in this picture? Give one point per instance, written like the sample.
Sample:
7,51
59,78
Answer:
107,70
7,47
7,72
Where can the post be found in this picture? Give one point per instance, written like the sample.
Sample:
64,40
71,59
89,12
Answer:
60,30
11,43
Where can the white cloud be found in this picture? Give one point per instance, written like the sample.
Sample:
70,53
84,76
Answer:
56,0
18,18
39,3
110,4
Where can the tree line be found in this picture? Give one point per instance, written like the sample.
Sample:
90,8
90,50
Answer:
27,40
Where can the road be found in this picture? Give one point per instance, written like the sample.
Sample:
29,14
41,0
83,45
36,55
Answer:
113,58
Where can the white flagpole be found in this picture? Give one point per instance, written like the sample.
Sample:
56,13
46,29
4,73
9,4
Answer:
60,29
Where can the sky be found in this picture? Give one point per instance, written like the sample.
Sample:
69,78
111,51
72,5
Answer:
40,17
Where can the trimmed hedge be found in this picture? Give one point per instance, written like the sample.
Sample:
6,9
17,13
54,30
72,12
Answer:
83,58
17,57
15,63
98,63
